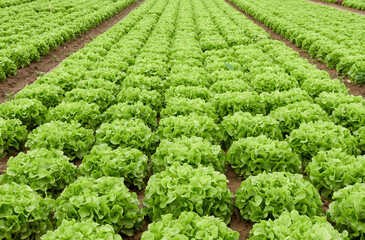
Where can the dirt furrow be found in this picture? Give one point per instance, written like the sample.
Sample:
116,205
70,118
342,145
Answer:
338,6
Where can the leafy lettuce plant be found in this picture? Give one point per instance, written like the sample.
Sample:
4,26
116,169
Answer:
311,138
316,86
192,125
183,188
194,151
13,136
187,76
48,95
131,111
243,124
333,170
130,95
86,114
88,229
128,163
91,83
349,115
268,195
276,99
30,112
103,98
330,101
184,107
144,82
347,211
230,86
124,133
74,140
105,200
254,155
292,115
360,136
47,172
269,82
189,92
232,102
24,213
189,225
292,225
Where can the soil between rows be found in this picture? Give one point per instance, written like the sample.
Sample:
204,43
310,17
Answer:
29,74
354,10
354,88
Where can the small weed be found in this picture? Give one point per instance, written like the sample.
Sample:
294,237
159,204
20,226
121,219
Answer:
39,73
9,95
55,56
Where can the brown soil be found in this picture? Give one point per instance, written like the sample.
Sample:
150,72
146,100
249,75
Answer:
354,88
28,75
338,6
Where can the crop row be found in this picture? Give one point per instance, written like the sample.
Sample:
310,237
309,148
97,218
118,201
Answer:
333,36
8,3
162,93
357,4
31,30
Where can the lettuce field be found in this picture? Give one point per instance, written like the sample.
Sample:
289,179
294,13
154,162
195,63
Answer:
185,119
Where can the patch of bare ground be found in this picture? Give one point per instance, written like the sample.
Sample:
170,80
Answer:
338,6
354,88
29,74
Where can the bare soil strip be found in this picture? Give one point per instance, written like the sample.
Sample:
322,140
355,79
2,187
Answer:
49,62
354,88
354,10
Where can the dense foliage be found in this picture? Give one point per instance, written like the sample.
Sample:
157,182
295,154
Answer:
131,111
127,133
347,210
349,115
128,163
189,225
105,200
243,124
13,136
183,188
88,229
49,95
46,171
268,195
310,138
185,107
292,115
86,114
30,111
330,171
74,140
24,213
292,225
194,151
192,125
254,155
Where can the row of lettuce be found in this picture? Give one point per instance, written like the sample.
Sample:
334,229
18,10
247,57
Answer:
357,4
8,3
332,36
161,94
34,28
